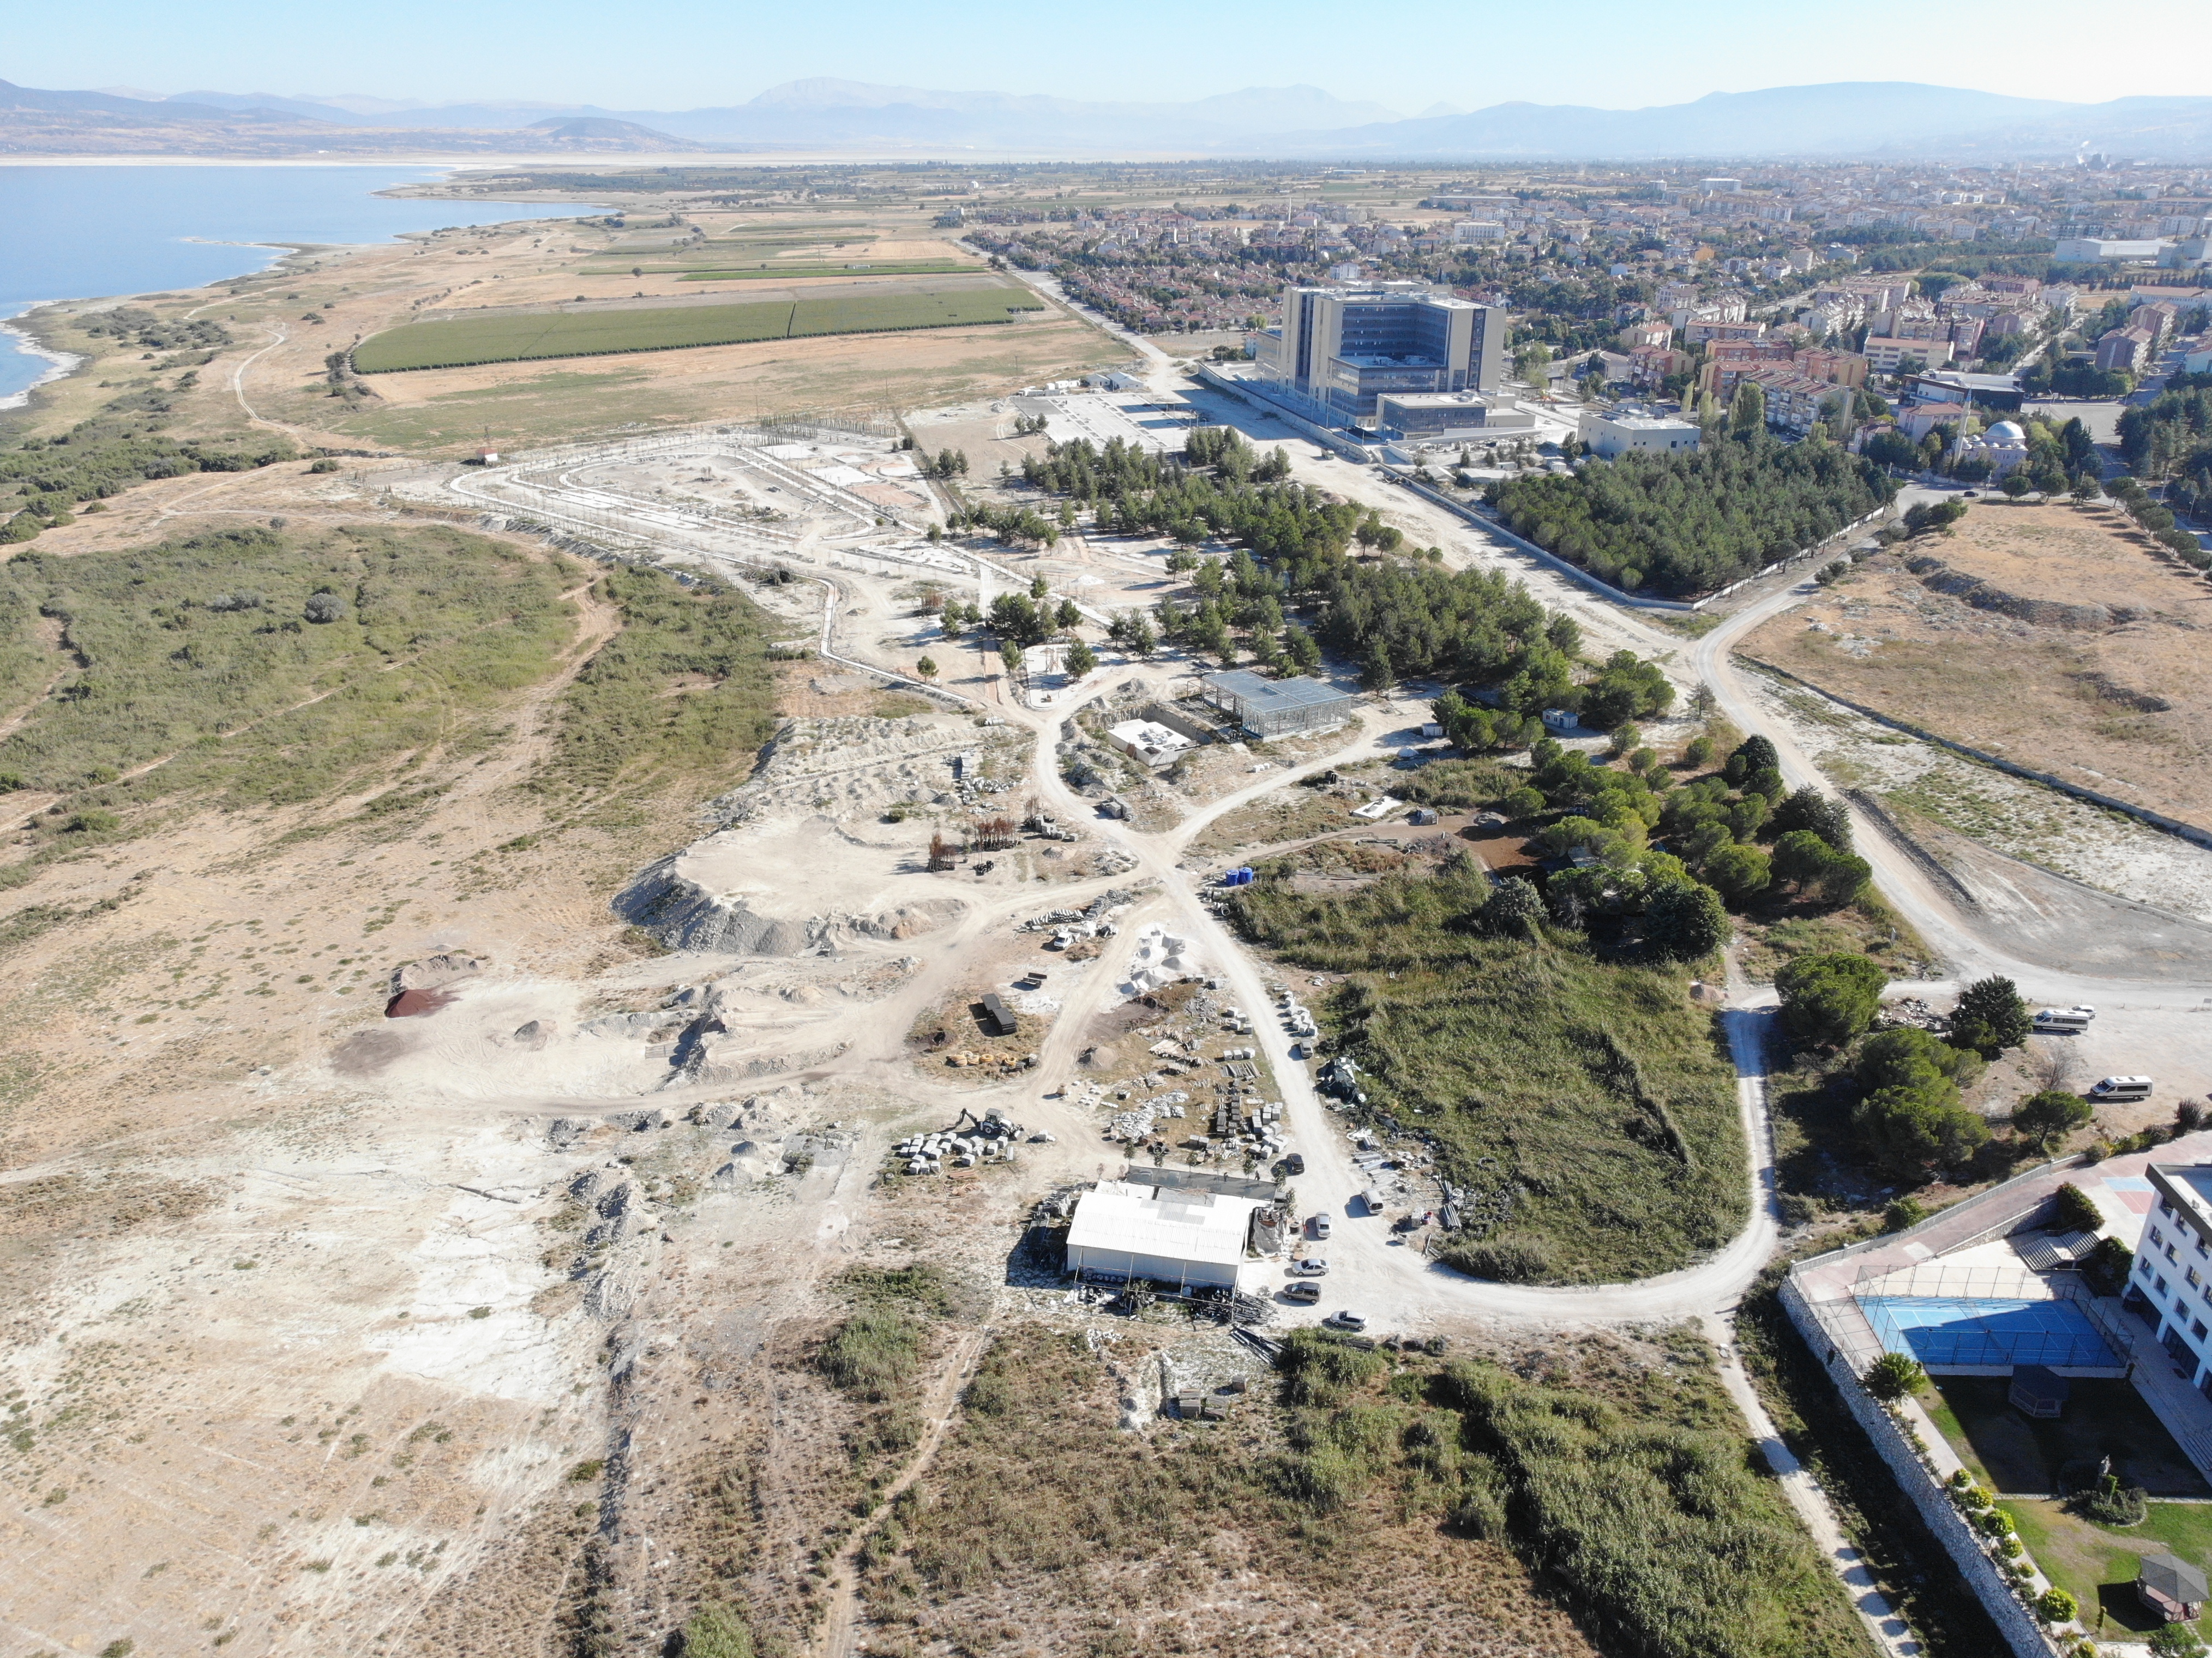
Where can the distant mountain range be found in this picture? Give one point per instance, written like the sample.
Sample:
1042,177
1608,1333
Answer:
1836,120
37,123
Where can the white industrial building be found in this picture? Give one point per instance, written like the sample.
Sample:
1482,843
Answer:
1610,436
1149,743
1192,1239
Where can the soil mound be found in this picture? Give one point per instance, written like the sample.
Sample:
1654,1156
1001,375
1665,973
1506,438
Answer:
1938,577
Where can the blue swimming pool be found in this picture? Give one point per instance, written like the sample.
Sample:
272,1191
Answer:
1959,1330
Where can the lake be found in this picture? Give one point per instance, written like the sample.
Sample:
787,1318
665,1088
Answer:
70,232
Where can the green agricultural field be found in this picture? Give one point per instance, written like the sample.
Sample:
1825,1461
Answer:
886,268
529,337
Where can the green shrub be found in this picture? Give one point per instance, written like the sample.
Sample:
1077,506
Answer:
1504,1263
195,681
1893,1375
717,1630
1322,1369
872,1352
2075,1211
1995,1522
1654,1530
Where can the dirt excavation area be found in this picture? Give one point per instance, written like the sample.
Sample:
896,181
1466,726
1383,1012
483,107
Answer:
2048,635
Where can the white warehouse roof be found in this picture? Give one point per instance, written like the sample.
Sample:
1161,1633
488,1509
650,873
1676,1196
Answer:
1120,1218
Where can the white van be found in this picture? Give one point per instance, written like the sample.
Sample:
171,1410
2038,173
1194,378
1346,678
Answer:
2121,1088
2064,1021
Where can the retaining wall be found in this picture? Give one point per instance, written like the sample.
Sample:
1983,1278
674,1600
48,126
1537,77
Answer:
2157,820
2023,1634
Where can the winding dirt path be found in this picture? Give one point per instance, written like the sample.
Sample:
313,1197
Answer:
836,1639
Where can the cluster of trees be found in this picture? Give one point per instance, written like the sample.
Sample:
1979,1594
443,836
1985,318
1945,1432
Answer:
1716,823
1540,676
1131,492
1691,523
1394,617
1241,596
142,328
1020,619
1009,524
1608,816
2158,522
1709,828
1224,449
1909,1118
1923,518
1471,626
945,463
2171,438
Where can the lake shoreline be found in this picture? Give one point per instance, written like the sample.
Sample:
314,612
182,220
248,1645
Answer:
60,364
244,231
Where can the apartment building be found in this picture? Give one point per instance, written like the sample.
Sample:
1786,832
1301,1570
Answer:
2129,350
1795,401
2159,320
1345,347
1708,331
1886,355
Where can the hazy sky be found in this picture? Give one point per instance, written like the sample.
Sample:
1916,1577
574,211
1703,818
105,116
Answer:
1406,55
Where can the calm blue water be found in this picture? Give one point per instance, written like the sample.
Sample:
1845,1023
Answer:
74,231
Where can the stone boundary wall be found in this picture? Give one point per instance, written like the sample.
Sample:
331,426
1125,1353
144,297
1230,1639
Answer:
2157,820
2023,1634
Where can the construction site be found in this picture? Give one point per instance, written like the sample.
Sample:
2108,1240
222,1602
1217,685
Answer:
668,1093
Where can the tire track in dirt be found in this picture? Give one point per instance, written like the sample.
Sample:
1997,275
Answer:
835,1640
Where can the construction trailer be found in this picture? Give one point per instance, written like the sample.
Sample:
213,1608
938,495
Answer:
1276,707
1190,1238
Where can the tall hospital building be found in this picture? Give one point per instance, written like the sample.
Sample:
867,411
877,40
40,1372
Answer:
1345,347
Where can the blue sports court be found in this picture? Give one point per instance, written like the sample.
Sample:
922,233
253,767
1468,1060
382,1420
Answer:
1955,1330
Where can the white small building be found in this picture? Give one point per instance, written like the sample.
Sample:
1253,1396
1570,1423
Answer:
1124,1230
1611,435
1149,743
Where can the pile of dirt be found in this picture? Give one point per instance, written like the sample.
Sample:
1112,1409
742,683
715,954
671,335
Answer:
668,902
854,767
1938,577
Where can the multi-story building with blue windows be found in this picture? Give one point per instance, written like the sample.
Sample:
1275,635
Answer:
1343,347
2173,1266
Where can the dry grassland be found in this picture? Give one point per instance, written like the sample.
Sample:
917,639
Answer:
2121,705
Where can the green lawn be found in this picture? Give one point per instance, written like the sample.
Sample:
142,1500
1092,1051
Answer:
528,337
2008,1452
2097,1565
